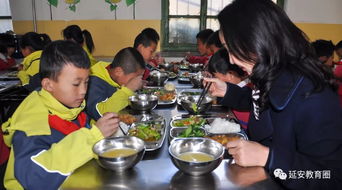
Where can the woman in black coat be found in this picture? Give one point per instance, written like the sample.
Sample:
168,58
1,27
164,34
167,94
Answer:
295,125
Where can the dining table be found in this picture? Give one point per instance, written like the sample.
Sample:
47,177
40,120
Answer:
8,81
157,172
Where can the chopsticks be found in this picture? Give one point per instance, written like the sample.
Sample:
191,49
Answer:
204,92
122,130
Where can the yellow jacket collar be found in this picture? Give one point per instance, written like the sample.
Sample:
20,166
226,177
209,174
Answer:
31,116
56,108
28,59
100,70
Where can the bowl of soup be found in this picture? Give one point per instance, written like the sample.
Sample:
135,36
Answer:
119,153
196,156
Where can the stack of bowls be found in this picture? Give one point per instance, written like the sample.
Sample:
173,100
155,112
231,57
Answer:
158,78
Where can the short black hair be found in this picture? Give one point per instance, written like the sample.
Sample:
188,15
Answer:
60,53
152,33
6,40
34,41
203,35
323,48
338,45
129,59
214,40
219,63
146,39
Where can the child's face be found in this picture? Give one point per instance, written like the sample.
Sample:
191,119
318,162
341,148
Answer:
230,77
328,61
201,47
26,51
10,51
148,51
339,53
70,87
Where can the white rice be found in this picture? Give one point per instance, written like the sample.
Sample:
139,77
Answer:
219,126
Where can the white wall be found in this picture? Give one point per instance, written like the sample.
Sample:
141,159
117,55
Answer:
86,10
305,11
314,11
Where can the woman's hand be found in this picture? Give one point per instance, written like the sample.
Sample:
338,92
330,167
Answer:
248,153
218,88
246,176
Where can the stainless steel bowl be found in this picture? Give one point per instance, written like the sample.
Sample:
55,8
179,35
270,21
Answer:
167,66
195,67
197,80
187,102
119,163
158,78
143,102
195,144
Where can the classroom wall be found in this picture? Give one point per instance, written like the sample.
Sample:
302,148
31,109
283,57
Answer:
110,33
317,18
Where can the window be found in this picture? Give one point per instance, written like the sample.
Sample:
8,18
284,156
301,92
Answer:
183,19
5,16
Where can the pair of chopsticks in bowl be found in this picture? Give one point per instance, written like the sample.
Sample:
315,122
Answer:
203,93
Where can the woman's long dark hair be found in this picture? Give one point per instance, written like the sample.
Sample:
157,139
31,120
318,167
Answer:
261,32
74,32
34,41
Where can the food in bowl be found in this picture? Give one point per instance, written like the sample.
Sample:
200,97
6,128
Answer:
201,148
189,103
121,152
113,154
196,157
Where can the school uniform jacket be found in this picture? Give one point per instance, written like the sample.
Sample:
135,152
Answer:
104,94
303,132
93,61
43,157
30,67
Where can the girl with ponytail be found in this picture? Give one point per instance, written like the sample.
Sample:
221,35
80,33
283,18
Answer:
83,38
31,45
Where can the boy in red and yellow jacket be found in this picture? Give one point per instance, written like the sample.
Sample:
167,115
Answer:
49,134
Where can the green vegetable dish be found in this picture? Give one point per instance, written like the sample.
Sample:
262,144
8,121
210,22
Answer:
192,120
192,131
194,107
146,132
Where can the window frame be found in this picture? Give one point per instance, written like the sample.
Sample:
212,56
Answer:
165,45
7,17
